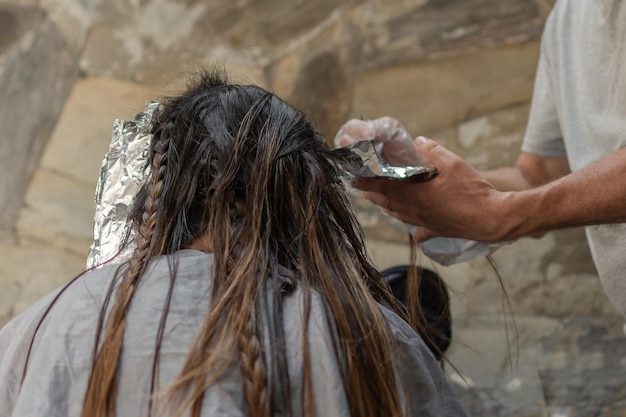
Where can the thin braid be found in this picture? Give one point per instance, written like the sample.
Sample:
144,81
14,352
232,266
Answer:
100,399
255,386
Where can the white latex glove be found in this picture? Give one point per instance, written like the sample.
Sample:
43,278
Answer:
393,143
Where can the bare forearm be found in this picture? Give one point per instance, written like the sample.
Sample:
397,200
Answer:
593,195
529,171
461,202
507,179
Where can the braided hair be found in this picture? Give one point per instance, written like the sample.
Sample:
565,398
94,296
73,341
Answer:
239,170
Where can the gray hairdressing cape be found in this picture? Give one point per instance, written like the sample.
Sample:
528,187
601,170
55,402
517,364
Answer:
60,361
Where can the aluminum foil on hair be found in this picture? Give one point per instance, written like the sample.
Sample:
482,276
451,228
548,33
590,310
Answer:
125,169
361,159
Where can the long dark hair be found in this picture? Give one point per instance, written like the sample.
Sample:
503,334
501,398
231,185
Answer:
245,174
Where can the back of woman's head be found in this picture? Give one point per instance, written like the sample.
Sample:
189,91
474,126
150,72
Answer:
237,163
238,172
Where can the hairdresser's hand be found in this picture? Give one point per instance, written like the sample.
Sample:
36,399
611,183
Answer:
459,202
392,141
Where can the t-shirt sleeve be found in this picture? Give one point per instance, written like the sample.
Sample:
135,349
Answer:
543,135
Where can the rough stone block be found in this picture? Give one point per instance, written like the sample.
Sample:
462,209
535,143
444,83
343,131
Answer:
30,270
553,276
490,141
316,77
129,41
499,375
589,378
325,71
415,30
37,71
58,211
59,205
430,96
83,132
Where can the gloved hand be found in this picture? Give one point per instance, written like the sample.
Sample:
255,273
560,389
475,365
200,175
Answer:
391,140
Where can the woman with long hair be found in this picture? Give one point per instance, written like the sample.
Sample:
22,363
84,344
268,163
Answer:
250,291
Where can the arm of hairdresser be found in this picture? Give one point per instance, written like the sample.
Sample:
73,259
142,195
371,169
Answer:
537,195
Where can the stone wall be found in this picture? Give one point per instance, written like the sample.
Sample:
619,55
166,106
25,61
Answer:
37,72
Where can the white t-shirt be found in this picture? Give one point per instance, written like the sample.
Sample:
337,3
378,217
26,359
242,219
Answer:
579,109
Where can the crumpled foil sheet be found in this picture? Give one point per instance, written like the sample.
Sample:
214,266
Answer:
361,159
124,171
